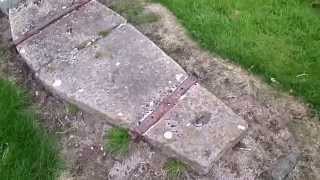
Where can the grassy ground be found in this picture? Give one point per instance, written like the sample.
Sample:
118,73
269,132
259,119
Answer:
26,151
278,39
118,141
175,169
132,10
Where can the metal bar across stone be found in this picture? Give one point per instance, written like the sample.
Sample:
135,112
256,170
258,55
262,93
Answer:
91,57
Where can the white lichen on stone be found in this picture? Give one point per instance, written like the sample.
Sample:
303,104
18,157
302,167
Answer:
179,77
57,83
242,127
22,51
168,135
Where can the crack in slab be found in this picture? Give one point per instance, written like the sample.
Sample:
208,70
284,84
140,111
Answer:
43,26
86,44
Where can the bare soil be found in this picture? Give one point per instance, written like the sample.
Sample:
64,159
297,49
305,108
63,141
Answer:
279,124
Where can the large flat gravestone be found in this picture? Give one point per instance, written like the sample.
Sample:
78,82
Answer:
118,73
123,76
92,58
199,129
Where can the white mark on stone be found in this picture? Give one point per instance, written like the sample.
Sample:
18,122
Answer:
183,96
81,90
57,83
92,148
122,24
189,124
168,135
241,127
151,104
22,51
118,64
144,117
170,82
179,77
120,114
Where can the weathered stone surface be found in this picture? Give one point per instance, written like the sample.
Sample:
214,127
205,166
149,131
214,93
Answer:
118,73
123,76
63,40
31,13
198,130
281,168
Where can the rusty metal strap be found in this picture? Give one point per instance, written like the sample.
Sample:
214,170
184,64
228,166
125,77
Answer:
45,24
168,103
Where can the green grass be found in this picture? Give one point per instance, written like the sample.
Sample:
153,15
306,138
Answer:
118,141
72,109
277,39
133,11
26,151
175,169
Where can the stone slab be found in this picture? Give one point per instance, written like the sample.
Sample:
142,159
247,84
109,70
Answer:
198,130
120,74
31,13
123,76
63,40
